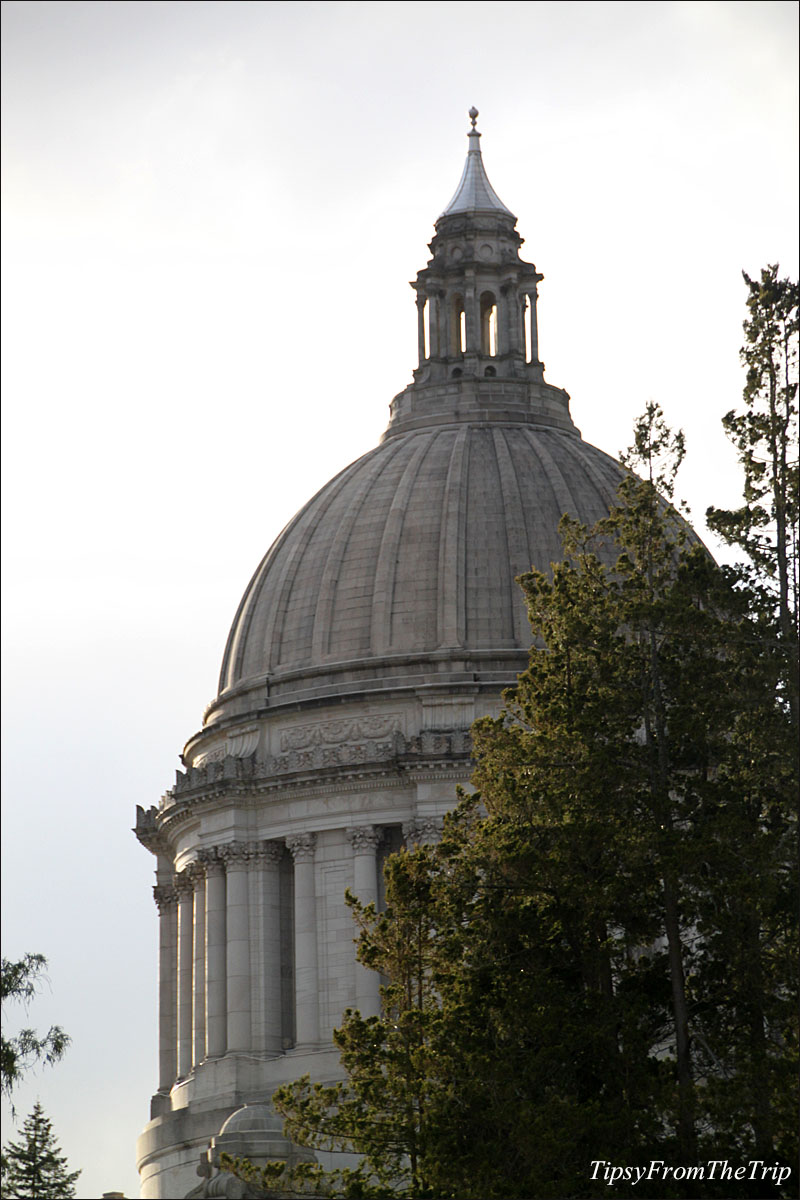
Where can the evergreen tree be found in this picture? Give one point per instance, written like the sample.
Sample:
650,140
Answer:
34,1168
598,958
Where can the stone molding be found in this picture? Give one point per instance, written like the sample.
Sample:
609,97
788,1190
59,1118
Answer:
301,846
165,897
422,831
365,839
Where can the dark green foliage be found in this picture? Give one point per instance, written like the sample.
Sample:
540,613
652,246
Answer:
19,981
599,958
34,1168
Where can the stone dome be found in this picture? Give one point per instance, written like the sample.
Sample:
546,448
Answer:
401,570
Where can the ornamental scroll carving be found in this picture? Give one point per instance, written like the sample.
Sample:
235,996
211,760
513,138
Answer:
327,733
301,846
210,861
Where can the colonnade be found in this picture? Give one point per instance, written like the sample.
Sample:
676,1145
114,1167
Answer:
220,948
439,334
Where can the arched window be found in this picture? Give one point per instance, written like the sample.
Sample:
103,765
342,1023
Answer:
488,324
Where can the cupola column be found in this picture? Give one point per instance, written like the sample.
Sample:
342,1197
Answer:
533,296
185,891
216,1019
365,840
167,903
198,875
237,914
421,300
509,325
302,848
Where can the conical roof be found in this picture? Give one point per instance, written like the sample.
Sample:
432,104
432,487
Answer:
474,192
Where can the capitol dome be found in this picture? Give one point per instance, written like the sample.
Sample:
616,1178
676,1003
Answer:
401,571
381,623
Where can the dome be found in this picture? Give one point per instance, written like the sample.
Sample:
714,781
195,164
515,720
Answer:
402,569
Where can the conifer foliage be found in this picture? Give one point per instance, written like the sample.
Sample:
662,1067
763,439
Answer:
34,1168
598,960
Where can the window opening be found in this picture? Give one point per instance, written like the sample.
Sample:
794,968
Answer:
426,328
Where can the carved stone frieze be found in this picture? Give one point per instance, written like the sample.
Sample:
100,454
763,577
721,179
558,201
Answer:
365,839
345,729
301,846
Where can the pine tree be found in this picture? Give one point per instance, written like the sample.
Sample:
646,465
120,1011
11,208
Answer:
34,1168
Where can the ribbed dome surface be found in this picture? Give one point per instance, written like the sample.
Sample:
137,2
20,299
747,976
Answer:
413,550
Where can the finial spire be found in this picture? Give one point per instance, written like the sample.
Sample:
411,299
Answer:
474,193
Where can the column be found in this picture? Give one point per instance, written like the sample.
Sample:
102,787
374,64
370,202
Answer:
472,320
268,859
365,840
198,874
421,327
216,1010
422,831
238,957
510,318
532,298
167,902
305,939
185,892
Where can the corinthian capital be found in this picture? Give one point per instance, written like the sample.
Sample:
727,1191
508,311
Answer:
422,831
234,854
183,884
165,897
364,839
301,846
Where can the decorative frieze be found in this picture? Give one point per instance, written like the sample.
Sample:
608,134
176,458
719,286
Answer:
353,729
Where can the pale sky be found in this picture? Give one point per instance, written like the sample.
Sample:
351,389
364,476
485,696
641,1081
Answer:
211,215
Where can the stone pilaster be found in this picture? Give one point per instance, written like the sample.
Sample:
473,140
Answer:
167,902
216,991
365,840
302,848
237,910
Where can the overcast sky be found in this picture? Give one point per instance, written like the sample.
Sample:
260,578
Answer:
211,215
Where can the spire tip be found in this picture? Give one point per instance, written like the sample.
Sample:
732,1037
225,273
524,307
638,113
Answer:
473,115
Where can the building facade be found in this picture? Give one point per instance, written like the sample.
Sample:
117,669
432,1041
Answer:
383,621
